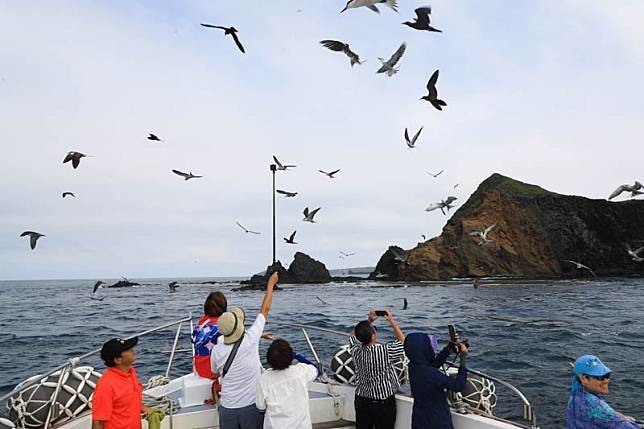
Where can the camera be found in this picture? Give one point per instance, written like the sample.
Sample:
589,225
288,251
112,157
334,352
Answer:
455,339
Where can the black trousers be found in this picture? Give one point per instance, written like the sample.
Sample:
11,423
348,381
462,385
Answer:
374,413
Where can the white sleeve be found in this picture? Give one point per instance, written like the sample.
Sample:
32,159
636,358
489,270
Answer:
260,397
311,371
255,331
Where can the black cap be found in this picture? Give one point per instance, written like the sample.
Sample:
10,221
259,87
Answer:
114,347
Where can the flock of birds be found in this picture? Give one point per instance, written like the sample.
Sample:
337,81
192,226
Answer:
421,22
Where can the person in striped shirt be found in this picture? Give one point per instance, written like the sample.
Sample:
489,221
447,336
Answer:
376,378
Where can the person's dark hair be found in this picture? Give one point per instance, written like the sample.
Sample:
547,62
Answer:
110,362
279,354
215,304
363,331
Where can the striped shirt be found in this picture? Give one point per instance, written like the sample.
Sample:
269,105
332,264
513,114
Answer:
375,374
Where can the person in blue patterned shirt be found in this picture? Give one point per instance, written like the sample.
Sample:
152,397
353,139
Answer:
586,407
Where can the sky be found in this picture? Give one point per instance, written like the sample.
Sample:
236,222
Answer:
545,92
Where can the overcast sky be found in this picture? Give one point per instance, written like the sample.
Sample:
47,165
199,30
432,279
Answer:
547,92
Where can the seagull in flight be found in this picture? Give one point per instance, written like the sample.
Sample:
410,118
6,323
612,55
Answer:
634,189
581,266
281,166
456,186
331,174
308,216
172,287
635,254
33,237
287,194
346,255
338,46
97,285
186,176
70,194
388,66
483,235
74,157
421,22
371,4
432,92
246,230
228,30
154,138
291,239
412,143
443,204
400,256
435,175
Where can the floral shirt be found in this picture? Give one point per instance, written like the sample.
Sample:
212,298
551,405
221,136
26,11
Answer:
589,411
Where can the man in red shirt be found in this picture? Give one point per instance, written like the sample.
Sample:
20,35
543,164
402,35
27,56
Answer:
117,401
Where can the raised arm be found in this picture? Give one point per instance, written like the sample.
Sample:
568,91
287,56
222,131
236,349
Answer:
268,296
394,326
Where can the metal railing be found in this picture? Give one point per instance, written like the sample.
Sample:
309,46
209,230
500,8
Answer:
52,413
528,410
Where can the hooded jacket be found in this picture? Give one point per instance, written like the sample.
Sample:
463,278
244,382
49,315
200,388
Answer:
428,384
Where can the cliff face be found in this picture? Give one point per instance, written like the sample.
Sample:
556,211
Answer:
535,231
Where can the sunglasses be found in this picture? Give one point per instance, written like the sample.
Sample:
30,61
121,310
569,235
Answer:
599,377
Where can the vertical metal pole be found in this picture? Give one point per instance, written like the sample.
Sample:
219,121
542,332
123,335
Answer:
174,348
273,169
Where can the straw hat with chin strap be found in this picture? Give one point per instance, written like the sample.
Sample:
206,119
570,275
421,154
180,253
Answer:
231,325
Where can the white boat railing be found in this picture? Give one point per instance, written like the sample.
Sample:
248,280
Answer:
71,363
528,410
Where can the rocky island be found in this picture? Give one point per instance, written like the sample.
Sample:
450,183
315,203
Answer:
536,231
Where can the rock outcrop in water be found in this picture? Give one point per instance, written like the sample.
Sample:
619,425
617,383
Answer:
303,269
124,283
536,230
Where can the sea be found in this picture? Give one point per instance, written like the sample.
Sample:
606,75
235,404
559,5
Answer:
525,333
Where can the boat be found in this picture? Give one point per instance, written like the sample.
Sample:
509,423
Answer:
61,397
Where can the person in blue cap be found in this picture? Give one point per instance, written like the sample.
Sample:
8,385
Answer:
586,408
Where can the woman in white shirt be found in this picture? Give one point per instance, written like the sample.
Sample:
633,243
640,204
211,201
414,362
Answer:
282,391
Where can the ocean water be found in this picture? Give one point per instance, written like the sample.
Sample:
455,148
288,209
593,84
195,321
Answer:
524,333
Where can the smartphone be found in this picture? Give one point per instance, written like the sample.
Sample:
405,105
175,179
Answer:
381,313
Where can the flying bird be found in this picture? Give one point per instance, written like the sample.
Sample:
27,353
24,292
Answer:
281,166
443,204
33,237
74,157
400,257
228,30
581,266
423,235
435,175
287,194
346,255
186,176
456,186
330,174
291,239
246,230
634,254
432,92
71,194
482,235
421,22
172,287
371,4
338,46
412,143
97,285
154,138
634,189
308,216
388,66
